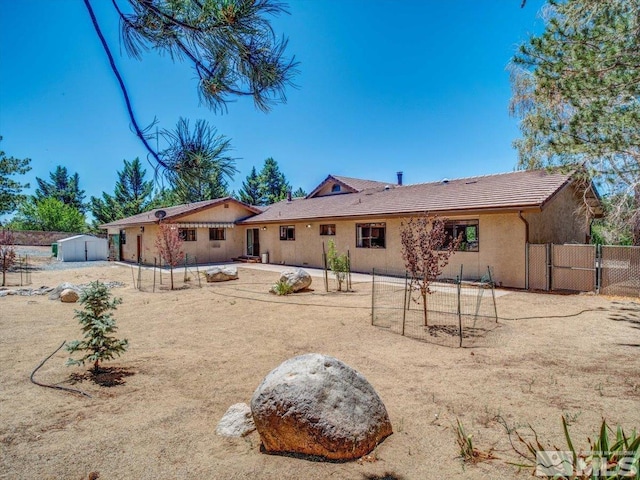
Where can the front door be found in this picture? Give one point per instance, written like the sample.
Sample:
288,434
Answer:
253,242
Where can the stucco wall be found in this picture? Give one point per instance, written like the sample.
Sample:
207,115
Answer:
203,249
560,221
502,246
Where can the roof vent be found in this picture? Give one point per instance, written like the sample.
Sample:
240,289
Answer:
399,174
387,187
445,181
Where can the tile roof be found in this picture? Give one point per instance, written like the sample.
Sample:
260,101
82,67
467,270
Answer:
173,213
507,191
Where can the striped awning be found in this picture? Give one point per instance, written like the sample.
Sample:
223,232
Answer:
205,224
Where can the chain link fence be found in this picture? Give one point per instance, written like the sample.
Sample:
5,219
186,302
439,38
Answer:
620,271
157,278
456,313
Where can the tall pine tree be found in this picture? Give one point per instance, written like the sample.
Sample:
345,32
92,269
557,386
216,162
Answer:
131,196
274,185
251,189
62,187
10,189
577,93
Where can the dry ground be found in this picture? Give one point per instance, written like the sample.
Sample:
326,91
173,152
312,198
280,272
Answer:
195,352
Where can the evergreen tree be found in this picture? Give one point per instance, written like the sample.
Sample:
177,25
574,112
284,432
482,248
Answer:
274,185
299,193
231,45
10,190
577,93
251,189
97,325
131,195
199,162
132,191
62,187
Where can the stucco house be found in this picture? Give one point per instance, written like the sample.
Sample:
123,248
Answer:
209,230
497,216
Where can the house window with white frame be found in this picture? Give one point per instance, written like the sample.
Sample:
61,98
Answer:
371,235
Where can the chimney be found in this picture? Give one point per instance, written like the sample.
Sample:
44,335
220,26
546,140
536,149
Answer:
399,178
288,195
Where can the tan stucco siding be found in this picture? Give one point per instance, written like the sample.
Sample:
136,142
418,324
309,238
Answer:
502,246
560,221
202,250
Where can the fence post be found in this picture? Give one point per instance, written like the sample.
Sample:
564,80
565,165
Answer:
154,275
140,274
373,295
198,273
598,268
349,270
459,282
549,266
326,274
404,302
526,266
133,278
493,293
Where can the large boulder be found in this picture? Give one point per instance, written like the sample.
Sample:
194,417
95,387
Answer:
69,295
297,278
55,293
221,274
316,405
236,422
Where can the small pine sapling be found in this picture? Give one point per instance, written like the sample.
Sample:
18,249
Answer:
426,250
7,253
97,325
338,263
169,245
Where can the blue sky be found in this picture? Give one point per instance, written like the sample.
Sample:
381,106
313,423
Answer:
384,85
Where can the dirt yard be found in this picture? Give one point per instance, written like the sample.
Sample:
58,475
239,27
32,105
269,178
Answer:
195,352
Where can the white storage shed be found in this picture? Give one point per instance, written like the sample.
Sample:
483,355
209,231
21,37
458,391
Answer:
82,248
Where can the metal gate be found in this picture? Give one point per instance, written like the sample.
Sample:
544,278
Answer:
538,258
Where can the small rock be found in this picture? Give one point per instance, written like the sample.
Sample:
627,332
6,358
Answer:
69,296
221,274
236,422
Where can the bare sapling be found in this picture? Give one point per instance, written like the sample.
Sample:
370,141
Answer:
426,250
169,245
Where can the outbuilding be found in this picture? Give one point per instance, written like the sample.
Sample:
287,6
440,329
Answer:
82,248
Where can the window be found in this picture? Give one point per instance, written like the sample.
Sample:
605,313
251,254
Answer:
217,234
329,229
123,237
287,232
370,235
187,234
335,188
467,230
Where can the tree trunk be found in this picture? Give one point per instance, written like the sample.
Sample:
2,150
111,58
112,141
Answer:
171,269
424,308
96,366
